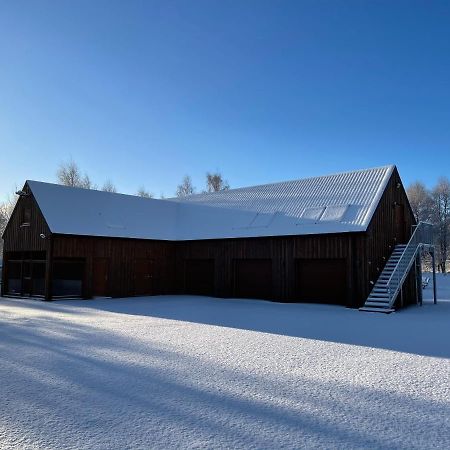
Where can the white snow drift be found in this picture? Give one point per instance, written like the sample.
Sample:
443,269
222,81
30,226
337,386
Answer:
189,372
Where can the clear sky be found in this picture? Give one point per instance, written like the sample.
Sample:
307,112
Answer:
144,92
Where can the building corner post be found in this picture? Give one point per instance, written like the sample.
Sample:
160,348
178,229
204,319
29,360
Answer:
4,275
434,278
49,269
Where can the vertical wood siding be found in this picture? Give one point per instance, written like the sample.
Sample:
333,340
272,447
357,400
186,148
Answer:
121,254
381,234
26,238
283,251
364,253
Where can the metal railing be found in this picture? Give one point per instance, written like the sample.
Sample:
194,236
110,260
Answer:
421,237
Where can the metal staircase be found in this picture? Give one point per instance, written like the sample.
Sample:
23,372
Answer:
389,284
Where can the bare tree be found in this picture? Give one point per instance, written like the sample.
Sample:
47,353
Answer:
4,217
142,192
6,209
69,174
108,186
186,187
441,216
420,200
215,182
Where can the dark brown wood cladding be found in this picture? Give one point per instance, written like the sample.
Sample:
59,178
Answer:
322,280
283,253
121,256
362,255
199,277
21,235
386,229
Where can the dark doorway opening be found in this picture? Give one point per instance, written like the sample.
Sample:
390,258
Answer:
143,276
25,273
100,277
199,276
68,277
321,281
253,278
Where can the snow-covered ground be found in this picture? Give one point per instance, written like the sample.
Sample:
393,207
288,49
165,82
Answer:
189,372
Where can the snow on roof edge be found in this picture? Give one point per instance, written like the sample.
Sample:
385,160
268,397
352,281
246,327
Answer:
379,194
189,217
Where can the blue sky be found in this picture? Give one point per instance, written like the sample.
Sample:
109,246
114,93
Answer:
144,92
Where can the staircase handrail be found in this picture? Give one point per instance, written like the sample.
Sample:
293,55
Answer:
419,235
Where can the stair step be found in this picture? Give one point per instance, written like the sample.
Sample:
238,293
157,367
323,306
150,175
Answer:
379,310
374,305
377,301
395,267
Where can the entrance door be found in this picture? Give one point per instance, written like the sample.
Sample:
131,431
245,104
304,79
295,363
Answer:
100,271
199,276
143,276
399,212
253,278
321,280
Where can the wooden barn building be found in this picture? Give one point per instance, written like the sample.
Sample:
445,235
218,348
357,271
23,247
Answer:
324,239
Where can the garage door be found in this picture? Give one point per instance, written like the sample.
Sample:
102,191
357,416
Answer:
143,270
321,280
253,278
199,276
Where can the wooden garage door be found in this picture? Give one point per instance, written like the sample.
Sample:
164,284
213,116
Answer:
321,280
199,276
100,271
253,278
143,276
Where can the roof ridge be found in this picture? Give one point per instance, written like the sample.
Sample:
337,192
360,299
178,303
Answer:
387,166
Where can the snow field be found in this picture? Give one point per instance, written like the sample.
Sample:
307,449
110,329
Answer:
190,372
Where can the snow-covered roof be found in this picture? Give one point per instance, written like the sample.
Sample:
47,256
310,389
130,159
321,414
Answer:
343,202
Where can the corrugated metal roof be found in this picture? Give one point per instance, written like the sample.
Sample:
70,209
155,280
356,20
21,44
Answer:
336,203
349,197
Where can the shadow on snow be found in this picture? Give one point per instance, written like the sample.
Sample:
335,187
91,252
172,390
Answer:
69,384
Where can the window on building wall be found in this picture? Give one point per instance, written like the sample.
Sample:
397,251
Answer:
14,274
26,216
38,278
68,278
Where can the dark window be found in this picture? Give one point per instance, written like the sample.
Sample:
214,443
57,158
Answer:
25,273
68,278
15,256
38,278
38,256
26,216
14,274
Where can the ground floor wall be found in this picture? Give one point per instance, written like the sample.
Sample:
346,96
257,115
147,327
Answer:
120,267
326,268
296,268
